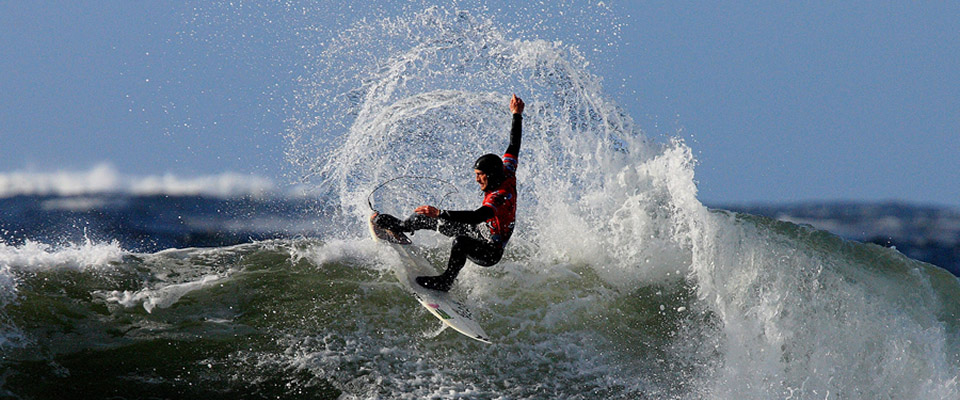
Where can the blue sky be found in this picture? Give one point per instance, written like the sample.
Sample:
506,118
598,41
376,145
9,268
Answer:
780,101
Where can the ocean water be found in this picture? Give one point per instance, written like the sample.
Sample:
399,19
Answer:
619,282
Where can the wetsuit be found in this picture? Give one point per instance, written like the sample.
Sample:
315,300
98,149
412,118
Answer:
479,235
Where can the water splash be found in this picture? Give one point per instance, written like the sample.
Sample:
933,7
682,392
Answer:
426,94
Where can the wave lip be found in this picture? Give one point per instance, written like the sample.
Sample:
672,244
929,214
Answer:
104,178
36,256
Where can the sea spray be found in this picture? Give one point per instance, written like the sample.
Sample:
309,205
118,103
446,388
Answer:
434,96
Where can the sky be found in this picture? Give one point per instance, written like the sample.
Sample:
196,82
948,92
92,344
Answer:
780,101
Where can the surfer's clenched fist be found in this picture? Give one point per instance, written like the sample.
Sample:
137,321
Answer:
516,105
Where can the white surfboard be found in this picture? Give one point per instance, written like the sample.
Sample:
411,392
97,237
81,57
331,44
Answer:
447,308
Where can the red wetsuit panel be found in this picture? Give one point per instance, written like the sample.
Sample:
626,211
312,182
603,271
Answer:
503,200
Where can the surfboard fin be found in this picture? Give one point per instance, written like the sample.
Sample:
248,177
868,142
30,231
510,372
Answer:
431,335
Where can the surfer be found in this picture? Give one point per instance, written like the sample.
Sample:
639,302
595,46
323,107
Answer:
478,235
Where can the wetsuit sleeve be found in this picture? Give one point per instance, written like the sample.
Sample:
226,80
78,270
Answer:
516,130
468,217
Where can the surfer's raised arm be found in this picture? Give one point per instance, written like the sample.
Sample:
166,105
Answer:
516,129
486,167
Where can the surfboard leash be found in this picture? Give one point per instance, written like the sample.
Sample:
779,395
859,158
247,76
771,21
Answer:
429,178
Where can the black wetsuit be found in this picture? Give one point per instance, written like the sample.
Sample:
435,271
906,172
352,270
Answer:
478,234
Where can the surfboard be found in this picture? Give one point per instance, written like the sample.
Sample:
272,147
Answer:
446,307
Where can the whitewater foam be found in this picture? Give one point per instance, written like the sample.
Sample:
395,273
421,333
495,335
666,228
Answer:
161,297
33,255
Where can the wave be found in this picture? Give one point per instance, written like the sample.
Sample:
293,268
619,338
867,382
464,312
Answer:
329,319
32,257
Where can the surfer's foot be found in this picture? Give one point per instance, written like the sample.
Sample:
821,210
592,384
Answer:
388,228
440,283
389,222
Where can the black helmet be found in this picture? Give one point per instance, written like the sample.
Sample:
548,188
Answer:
491,165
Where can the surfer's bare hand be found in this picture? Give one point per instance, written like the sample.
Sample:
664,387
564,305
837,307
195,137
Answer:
516,105
429,211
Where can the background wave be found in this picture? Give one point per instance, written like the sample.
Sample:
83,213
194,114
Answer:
105,179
